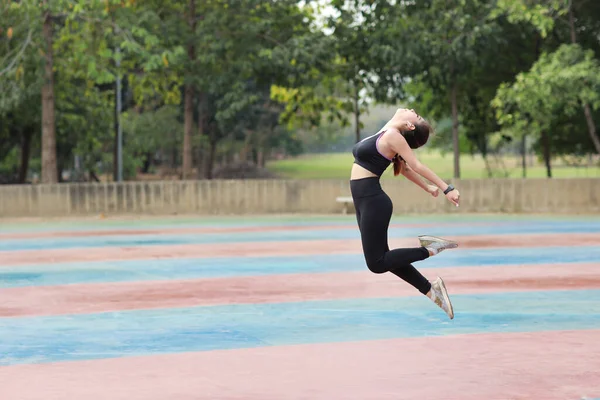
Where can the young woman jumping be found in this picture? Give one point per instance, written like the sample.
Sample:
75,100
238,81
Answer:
394,143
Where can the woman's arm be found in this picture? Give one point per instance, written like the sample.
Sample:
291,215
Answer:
399,145
414,177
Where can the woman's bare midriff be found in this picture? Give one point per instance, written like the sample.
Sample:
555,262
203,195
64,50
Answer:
359,172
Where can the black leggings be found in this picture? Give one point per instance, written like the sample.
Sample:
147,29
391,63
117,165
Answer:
373,213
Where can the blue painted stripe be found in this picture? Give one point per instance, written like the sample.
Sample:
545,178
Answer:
166,269
287,235
203,222
120,334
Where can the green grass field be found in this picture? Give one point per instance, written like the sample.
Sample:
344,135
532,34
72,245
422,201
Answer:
337,166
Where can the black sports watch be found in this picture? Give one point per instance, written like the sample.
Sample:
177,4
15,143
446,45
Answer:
449,189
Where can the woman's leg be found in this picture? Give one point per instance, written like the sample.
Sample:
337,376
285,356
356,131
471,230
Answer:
410,274
374,214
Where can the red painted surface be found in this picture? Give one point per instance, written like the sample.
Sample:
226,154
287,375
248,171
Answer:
286,248
520,366
87,298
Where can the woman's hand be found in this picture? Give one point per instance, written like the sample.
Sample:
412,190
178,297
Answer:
453,197
432,190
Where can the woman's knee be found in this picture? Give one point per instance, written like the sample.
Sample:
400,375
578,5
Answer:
376,266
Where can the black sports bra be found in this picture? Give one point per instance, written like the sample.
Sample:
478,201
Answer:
367,155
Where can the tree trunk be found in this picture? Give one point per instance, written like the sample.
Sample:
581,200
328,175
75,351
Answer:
93,176
116,143
118,138
482,148
260,162
591,127
356,113
524,155
189,102
586,107
547,153
488,167
147,163
201,131
49,166
210,160
60,163
188,126
25,153
572,23
455,142
246,152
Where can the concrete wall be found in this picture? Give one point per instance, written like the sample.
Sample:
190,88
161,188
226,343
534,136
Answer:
293,196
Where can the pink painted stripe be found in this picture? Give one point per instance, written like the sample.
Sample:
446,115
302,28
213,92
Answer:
286,248
519,366
88,298
214,230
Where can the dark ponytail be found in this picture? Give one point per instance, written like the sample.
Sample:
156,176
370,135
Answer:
415,139
399,165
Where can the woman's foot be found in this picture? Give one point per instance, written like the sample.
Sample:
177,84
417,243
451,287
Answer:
435,244
439,295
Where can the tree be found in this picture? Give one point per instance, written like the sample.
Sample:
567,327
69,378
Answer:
352,30
545,16
20,85
443,49
243,52
555,87
35,32
189,96
586,106
49,166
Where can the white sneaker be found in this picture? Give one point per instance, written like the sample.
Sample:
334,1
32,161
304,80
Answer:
439,295
436,244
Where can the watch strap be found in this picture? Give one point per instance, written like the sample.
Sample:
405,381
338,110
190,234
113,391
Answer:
449,189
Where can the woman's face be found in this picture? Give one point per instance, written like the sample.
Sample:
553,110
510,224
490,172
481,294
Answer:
409,115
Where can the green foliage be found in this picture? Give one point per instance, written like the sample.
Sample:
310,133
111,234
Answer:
280,76
540,14
305,106
548,98
19,64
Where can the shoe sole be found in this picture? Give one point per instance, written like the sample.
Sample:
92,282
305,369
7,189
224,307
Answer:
427,240
446,298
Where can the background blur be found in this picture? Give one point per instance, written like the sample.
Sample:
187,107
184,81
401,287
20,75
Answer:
108,91
239,116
